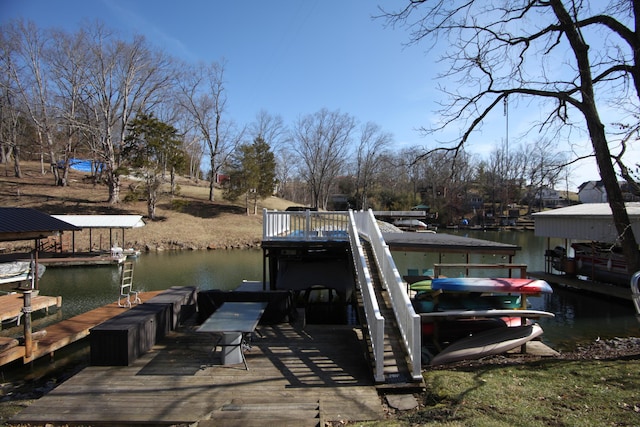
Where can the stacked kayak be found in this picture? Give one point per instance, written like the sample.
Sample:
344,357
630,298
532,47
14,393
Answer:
480,316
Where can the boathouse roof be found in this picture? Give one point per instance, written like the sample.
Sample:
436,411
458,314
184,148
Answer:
588,221
103,221
445,243
27,224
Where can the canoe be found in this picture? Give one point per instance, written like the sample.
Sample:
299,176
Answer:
486,313
502,285
487,343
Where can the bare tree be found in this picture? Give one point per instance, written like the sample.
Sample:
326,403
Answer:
322,142
271,129
12,119
124,78
31,76
575,57
202,95
66,57
544,168
373,142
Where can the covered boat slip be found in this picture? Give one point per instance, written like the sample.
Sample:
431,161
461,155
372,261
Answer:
103,222
591,223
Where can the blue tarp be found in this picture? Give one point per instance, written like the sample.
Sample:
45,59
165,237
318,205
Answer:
82,165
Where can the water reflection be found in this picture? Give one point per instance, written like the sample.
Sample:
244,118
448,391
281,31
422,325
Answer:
85,288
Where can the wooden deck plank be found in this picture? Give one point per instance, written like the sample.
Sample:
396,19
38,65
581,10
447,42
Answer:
11,305
180,381
68,331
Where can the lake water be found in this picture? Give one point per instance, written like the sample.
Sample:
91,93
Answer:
579,318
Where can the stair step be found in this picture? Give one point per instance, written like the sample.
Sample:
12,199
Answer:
271,407
249,414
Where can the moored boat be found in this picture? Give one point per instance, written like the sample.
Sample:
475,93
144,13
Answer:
601,262
19,271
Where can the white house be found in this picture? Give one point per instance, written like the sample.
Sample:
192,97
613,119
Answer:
592,192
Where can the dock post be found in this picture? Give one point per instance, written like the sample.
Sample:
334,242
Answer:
26,309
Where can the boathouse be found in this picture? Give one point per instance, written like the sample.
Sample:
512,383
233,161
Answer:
588,226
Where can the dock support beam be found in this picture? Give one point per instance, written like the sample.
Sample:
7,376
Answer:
26,309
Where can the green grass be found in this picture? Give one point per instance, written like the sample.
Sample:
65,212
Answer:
545,393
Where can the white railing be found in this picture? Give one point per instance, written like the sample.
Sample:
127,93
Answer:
304,226
635,292
408,320
375,321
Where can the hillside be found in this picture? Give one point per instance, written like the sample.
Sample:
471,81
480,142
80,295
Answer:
185,221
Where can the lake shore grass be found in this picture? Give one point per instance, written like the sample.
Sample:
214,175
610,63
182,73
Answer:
542,393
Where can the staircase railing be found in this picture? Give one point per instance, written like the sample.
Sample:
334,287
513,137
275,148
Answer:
375,321
408,320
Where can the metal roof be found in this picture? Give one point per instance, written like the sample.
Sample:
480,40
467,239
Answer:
445,243
27,224
103,221
588,221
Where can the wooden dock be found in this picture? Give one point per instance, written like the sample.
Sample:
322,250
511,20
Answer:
11,305
79,260
297,377
66,332
599,288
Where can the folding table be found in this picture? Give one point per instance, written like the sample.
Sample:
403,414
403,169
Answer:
232,320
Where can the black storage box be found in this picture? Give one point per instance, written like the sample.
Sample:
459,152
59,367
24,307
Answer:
122,339
181,301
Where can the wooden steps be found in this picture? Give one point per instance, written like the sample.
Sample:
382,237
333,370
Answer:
243,413
396,366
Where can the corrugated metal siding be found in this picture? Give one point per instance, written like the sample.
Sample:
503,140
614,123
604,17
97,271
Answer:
589,221
27,220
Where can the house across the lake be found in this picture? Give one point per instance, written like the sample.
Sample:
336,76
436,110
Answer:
594,192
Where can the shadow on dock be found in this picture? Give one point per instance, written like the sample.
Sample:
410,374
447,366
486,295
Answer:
297,376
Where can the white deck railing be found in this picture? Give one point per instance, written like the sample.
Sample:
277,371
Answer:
408,320
305,226
375,321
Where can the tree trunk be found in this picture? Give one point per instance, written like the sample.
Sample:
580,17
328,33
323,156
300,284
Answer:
16,162
621,220
212,180
113,182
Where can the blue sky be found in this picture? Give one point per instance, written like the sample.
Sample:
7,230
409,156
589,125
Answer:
289,57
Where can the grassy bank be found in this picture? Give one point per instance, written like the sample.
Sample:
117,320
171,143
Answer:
544,393
185,220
